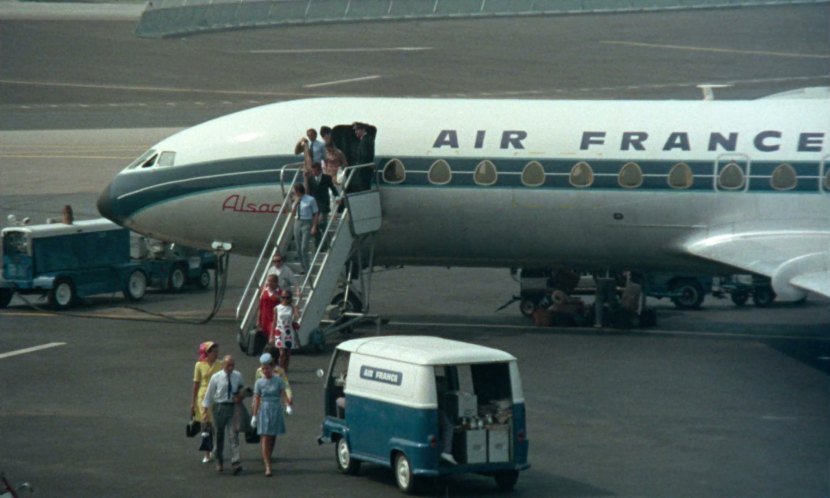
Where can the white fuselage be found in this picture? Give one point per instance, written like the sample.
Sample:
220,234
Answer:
224,180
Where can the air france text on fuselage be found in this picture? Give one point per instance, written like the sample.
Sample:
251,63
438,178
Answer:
762,141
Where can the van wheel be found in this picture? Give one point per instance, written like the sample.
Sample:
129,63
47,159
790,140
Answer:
177,279
405,479
345,462
204,280
739,297
689,294
5,297
136,286
506,479
62,294
763,296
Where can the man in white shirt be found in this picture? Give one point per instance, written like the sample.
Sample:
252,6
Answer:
317,147
306,214
223,393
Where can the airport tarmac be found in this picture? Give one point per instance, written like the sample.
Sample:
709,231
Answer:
719,402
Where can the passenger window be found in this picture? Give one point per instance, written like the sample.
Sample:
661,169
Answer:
533,175
440,173
783,177
631,176
485,173
827,180
680,176
731,177
394,171
582,175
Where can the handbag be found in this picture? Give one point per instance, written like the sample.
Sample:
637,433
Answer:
193,427
207,441
251,435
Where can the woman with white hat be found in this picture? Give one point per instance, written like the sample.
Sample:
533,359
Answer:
269,397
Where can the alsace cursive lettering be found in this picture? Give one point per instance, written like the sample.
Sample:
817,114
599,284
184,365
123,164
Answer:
239,204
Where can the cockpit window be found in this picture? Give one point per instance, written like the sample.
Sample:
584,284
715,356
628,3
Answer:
150,162
166,158
144,160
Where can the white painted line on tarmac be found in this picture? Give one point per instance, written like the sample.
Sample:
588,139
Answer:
716,50
336,50
340,82
610,331
31,349
146,88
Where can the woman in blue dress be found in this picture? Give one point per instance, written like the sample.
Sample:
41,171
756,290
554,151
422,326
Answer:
269,397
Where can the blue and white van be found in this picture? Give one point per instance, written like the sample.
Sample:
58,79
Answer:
426,407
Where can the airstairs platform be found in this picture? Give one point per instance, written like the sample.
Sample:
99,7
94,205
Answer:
345,238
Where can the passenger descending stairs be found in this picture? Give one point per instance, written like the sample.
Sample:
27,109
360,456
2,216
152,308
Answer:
346,235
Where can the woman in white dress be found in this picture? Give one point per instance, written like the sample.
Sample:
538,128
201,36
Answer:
286,314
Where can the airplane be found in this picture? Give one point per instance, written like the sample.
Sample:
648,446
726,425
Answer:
702,187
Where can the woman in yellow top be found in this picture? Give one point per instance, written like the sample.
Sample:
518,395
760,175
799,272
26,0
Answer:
207,365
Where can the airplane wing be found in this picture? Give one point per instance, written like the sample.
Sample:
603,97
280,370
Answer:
795,261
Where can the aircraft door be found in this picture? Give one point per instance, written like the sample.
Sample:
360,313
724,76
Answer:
344,139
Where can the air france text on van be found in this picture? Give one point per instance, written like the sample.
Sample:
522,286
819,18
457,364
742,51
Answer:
381,375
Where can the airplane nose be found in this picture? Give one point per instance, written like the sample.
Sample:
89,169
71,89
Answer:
105,206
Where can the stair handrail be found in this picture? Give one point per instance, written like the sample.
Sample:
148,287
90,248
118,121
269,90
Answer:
248,292
349,172
308,283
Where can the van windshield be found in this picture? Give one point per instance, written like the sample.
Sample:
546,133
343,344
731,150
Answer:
15,243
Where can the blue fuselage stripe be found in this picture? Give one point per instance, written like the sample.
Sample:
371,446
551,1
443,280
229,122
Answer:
138,190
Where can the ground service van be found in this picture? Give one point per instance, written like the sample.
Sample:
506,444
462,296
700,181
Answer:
426,407
69,261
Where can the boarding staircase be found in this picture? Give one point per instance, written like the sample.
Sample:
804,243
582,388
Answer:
347,235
